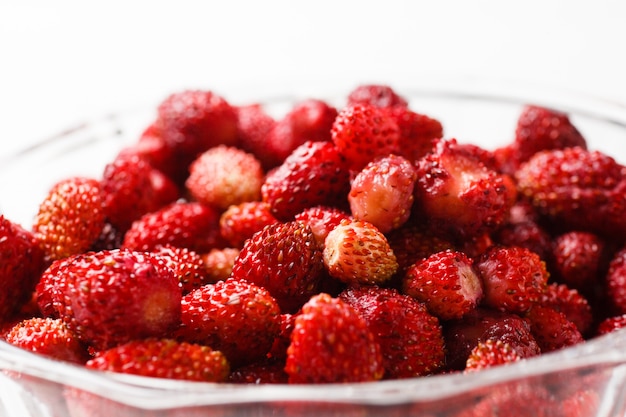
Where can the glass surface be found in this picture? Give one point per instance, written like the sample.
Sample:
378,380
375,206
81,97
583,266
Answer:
479,113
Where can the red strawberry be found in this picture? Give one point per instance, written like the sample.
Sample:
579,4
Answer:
268,371
219,263
539,128
513,278
611,324
514,399
355,252
223,176
412,243
377,95
364,132
410,338
576,189
569,302
481,324
70,218
526,234
110,297
458,194
128,190
240,221
616,282
193,121
382,193
282,341
331,342
314,174
551,329
578,259
49,337
417,132
21,262
235,317
188,266
164,358
322,220
189,225
446,282
285,259
490,353
308,120
254,126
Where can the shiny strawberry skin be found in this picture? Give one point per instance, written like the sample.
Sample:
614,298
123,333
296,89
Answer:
378,95
111,297
164,358
188,266
254,125
490,353
551,329
322,220
331,342
418,132
239,222
285,259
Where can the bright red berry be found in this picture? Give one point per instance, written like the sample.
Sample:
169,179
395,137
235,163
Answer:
219,263
446,282
254,125
611,324
237,318
356,252
417,132
378,95
410,338
490,353
570,302
188,266
616,282
412,243
322,220
513,278
164,358
70,218
313,174
240,221
382,193
331,342
551,329
285,259
223,176
111,297
578,259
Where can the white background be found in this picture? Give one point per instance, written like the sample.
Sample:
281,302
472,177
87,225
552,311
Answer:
65,61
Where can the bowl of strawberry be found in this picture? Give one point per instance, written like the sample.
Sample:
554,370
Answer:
449,250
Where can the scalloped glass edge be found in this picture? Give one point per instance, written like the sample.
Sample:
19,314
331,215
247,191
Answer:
591,114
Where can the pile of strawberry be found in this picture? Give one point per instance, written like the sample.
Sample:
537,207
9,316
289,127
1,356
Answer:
328,245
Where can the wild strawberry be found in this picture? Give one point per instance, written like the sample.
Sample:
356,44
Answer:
282,341
188,266
481,324
267,371
364,132
457,193
526,234
446,282
616,282
513,278
331,342
314,174
70,217
410,338
382,193
254,125
322,220
539,128
285,259
127,190
611,324
377,95
355,252
240,221
578,259
237,318
108,298
21,263
576,189
223,176
193,121
164,358
191,225
412,243
490,353
569,302
218,264
308,120
551,329
417,132
49,337
475,246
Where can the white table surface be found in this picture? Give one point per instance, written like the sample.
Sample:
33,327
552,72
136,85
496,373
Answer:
65,61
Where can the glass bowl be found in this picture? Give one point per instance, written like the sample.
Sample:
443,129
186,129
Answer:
471,111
